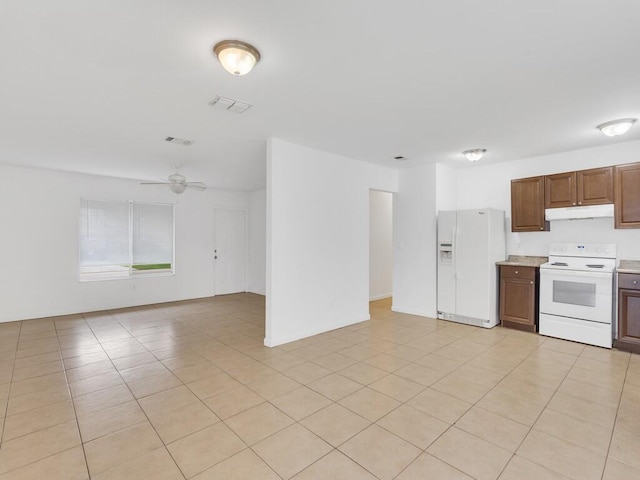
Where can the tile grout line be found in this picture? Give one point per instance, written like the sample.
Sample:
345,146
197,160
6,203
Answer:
472,405
540,414
70,399
136,400
613,429
73,405
13,369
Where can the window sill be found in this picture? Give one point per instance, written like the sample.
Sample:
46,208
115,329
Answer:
108,276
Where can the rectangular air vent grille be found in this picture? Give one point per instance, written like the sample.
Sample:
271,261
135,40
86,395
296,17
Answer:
230,104
179,141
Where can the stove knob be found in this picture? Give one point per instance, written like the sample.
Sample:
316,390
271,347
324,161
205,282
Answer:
606,251
598,250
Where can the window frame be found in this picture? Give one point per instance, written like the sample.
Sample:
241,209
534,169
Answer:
130,272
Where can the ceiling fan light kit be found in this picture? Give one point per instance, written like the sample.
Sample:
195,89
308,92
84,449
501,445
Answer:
236,57
178,184
177,188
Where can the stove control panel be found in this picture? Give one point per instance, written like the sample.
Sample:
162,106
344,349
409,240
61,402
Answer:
591,250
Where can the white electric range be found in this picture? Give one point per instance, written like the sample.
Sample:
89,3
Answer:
576,293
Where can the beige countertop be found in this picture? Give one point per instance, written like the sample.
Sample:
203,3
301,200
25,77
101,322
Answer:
523,261
629,266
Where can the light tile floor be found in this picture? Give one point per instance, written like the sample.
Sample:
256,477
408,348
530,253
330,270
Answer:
187,390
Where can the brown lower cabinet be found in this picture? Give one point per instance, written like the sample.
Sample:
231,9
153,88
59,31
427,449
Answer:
519,297
628,312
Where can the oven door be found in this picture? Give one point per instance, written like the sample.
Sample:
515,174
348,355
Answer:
577,294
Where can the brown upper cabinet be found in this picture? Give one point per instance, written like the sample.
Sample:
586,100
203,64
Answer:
584,187
560,190
627,187
527,205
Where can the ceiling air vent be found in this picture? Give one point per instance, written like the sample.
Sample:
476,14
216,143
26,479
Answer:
230,104
180,141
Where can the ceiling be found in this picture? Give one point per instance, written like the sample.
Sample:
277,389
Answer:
95,87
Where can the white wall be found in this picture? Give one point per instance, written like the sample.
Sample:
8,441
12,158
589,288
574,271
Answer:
39,215
446,187
257,242
380,244
414,237
490,186
317,240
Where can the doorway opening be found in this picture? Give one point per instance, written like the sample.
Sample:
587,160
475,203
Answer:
380,250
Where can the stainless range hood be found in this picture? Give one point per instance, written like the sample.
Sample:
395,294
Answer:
574,213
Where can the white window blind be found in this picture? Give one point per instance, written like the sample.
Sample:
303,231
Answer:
119,239
152,234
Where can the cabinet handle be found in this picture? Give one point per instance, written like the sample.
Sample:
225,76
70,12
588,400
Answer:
531,282
573,203
541,228
635,282
516,272
579,203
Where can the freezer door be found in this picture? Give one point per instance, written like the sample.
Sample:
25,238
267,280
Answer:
446,262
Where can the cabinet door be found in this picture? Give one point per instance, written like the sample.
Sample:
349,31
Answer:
560,190
527,205
517,300
627,195
629,316
595,186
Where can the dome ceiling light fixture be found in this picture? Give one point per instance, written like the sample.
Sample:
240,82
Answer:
237,57
474,154
617,127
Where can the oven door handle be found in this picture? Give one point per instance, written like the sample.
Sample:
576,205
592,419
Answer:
548,272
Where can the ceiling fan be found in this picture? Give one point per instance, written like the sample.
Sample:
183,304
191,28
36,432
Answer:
178,184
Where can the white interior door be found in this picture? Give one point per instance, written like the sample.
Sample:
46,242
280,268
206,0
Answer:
230,251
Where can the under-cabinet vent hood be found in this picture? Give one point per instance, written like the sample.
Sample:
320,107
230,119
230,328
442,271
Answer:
574,213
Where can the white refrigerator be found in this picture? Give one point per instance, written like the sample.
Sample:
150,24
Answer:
470,242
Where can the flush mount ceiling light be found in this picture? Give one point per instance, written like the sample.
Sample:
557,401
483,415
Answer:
617,127
474,154
237,57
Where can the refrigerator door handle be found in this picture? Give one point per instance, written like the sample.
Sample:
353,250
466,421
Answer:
454,253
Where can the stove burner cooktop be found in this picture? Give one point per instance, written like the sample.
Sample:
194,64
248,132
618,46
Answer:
587,257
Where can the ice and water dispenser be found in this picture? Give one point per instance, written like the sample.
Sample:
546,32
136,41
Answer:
445,253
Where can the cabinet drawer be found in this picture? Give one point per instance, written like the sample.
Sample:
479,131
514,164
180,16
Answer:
629,280
528,273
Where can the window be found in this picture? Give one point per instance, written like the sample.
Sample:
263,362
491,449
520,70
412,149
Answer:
120,239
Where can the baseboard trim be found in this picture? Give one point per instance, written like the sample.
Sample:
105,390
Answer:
274,342
411,311
380,297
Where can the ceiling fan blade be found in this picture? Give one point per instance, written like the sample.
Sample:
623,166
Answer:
197,185
155,183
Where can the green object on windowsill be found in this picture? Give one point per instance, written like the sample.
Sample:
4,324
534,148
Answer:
152,266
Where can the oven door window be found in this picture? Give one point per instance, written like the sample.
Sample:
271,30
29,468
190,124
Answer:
574,293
